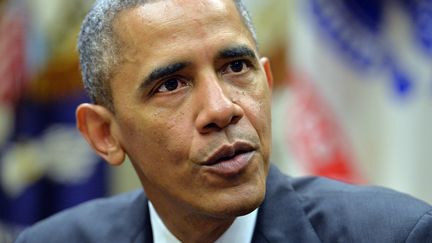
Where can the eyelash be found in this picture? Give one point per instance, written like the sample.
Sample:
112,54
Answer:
245,62
183,82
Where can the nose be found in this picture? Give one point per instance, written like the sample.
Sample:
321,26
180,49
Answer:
217,108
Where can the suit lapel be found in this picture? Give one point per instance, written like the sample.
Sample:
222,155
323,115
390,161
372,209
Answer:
144,228
281,217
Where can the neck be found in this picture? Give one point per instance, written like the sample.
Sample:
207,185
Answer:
184,222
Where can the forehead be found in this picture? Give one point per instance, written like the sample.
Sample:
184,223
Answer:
165,11
158,21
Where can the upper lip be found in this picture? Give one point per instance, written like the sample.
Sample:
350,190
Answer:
228,151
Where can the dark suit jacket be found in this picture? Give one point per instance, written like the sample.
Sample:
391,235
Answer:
295,210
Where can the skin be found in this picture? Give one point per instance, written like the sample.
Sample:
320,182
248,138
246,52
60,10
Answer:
209,90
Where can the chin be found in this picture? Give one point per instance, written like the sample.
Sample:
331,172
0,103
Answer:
238,204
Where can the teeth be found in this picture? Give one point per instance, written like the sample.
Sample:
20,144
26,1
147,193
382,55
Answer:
228,157
231,156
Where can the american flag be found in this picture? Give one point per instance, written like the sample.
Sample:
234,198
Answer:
363,93
317,138
12,53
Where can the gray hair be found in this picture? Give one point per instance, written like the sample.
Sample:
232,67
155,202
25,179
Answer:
98,48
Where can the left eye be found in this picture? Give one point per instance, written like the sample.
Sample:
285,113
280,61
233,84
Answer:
236,67
170,85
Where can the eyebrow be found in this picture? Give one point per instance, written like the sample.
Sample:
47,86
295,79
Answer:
161,72
167,70
236,52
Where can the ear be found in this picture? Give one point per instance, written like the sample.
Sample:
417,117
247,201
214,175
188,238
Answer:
265,62
97,125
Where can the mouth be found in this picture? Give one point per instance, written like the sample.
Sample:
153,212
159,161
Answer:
230,160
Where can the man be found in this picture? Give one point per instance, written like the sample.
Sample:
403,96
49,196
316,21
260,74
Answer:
178,86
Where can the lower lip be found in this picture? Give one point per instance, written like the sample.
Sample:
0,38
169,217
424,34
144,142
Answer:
232,166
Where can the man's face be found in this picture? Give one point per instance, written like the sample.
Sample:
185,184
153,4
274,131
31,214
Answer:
192,105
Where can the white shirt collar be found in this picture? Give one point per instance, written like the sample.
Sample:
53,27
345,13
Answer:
241,230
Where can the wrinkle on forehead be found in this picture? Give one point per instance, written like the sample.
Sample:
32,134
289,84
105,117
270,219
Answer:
217,5
156,16
162,11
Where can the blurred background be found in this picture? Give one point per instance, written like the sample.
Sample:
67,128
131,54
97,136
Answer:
352,100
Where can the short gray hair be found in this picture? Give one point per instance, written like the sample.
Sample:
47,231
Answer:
98,48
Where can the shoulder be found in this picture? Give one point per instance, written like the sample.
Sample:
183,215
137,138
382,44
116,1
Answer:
93,221
342,211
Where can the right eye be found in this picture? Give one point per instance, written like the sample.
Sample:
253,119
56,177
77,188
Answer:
171,85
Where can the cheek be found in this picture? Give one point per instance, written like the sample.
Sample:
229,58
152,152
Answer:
177,136
156,138
258,110
138,136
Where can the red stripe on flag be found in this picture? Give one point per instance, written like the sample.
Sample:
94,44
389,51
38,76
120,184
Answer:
316,138
12,52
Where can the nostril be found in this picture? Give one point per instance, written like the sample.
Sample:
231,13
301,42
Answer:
211,127
216,126
235,119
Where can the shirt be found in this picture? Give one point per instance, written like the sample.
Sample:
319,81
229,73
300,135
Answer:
241,230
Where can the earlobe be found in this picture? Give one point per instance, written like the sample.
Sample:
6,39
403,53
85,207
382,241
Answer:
96,124
265,62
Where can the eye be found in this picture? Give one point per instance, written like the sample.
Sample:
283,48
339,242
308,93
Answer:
170,85
236,67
